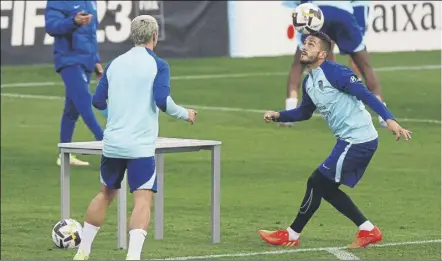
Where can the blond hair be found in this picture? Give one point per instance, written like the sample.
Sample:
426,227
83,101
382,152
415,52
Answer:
142,29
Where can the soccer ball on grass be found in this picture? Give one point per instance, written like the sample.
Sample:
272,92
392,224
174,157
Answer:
308,18
67,233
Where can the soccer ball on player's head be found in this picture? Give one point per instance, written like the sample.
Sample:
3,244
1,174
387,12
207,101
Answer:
308,18
67,233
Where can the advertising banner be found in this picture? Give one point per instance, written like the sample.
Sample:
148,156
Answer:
187,29
263,28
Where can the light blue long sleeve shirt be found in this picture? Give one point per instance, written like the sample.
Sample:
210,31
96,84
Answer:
134,85
335,91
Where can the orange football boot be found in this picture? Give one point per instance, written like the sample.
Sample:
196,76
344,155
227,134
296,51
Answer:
365,238
278,238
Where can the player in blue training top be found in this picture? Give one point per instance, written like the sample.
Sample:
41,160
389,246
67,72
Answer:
134,85
73,24
337,93
342,27
361,10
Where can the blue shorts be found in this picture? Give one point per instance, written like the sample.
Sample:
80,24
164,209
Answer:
361,15
141,173
342,28
347,162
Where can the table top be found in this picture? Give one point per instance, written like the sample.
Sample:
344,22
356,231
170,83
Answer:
162,143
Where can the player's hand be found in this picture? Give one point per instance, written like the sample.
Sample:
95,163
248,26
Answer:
99,70
271,116
191,115
83,18
397,130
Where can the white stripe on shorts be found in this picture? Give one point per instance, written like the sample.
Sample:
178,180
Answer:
340,162
149,184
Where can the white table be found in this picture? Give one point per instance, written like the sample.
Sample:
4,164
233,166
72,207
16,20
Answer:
163,146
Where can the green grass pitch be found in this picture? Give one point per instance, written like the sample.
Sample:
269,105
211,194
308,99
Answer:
264,168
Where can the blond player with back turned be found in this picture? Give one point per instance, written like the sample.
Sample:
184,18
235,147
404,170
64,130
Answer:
134,85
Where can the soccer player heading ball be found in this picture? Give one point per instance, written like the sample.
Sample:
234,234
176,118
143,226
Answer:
336,92
336,19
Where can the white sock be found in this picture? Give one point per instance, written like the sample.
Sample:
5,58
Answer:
293,235
367,225
291,103
89,232
136,241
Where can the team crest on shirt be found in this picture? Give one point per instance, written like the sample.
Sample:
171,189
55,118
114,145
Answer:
321,85
354,79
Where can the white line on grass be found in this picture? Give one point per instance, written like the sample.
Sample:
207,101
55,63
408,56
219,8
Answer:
31,96
298,250
225,109
229,75
342,254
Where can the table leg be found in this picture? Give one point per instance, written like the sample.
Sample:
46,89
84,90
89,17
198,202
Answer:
216,189
65,185
159,197
122,214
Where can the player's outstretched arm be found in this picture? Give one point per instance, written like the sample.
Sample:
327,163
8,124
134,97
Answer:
345,80
302,113
369,98
361,92
163,100
352,85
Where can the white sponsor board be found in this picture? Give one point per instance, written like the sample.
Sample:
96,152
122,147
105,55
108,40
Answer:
259,28
404,26
263,28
